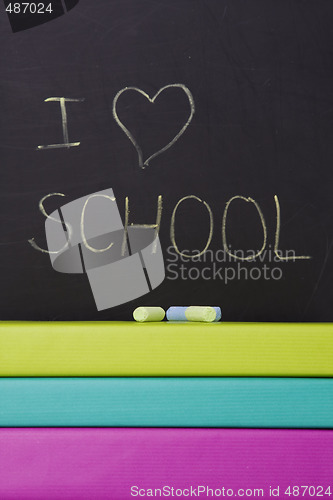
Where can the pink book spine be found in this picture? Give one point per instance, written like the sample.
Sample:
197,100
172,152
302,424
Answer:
118,463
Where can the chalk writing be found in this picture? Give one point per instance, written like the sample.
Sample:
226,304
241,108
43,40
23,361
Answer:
66,143
172,226
227,248
68,227
224,224
277,236
85,242
155,226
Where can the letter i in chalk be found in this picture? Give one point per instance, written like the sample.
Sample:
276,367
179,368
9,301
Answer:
206,314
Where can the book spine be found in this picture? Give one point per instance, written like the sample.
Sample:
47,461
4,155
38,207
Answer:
167,402
164,349
116,463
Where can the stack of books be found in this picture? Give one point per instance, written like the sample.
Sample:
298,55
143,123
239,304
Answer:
115,410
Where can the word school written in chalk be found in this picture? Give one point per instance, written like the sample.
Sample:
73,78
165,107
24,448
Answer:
226,246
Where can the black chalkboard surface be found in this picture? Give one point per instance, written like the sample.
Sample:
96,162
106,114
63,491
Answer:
210,121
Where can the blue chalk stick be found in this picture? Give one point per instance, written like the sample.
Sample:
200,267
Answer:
177,313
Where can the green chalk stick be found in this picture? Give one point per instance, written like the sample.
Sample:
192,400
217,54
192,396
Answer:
200,313
148,314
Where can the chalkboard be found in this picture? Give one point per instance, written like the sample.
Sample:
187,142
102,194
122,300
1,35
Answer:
209,123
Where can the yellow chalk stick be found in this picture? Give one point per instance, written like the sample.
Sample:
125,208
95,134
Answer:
200,313
148,314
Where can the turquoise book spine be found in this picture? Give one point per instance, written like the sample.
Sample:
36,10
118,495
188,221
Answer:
167,402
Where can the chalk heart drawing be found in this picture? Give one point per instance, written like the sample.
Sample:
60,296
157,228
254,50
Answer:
144,163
